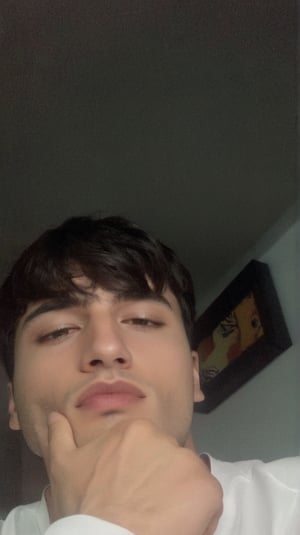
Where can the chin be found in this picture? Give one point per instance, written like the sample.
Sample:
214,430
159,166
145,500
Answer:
96,429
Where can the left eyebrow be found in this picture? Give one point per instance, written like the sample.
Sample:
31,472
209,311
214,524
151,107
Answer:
50,306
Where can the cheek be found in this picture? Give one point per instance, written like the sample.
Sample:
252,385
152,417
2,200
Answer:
168,366
36,390
29,378
36,395
175,397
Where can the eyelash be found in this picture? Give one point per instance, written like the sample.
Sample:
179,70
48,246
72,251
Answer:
144,322
61,332
56,334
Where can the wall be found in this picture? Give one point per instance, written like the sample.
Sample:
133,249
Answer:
261,420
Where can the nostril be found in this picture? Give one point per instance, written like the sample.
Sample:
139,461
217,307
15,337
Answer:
121,360
95,362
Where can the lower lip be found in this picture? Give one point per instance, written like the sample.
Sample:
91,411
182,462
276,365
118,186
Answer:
108,402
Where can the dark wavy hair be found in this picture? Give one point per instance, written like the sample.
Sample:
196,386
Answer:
111,252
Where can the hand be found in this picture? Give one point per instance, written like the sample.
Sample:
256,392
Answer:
132,475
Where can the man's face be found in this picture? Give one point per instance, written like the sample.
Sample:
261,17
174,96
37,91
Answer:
102,361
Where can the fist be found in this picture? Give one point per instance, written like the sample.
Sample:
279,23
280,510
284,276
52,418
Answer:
133,475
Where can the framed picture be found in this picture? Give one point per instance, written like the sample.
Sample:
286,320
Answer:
239,334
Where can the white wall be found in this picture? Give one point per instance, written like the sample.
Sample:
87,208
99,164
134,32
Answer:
262,419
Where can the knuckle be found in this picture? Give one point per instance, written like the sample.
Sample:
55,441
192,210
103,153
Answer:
215,488
195,466
190,459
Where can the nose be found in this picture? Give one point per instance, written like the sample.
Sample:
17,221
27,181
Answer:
104,346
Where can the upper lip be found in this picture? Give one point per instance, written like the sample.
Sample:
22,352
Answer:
103,387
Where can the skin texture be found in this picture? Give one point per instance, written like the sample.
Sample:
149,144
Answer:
58,355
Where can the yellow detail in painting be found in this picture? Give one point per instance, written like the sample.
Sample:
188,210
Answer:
233,335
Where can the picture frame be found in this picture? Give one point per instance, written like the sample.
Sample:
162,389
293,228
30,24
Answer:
239,334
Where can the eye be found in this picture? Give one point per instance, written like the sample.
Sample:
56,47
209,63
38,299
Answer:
144,322
56,334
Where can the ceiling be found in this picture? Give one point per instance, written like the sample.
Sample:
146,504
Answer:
177,114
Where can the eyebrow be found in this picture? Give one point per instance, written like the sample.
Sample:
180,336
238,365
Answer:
53,305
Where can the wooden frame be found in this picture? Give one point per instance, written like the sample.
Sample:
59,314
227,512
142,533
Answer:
239,334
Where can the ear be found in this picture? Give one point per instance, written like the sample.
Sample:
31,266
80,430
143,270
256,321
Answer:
12,411
198,394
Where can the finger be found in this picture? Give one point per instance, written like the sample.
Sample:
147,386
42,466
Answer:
60,435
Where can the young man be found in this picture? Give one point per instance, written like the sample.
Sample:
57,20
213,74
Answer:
96,323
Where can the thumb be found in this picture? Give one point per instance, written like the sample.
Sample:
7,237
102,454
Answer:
60,435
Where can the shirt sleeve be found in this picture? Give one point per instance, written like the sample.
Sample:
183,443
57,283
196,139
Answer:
83,525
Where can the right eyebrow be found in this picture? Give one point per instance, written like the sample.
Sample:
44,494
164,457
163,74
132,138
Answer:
156,298
50,306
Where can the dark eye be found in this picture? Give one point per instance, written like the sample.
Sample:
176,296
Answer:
56,334
144,322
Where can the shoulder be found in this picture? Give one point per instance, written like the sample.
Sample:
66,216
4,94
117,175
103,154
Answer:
284,472
32,518
262,498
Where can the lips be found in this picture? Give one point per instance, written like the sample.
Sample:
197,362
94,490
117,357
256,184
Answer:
103,396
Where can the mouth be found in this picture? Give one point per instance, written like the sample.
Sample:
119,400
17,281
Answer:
104,397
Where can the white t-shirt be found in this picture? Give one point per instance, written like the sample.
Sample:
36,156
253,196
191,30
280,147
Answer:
259,499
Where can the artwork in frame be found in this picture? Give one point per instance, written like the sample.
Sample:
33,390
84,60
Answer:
239,334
